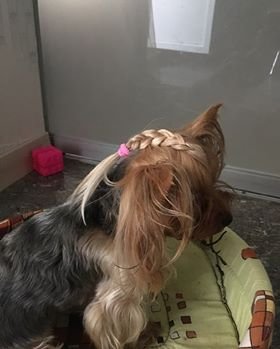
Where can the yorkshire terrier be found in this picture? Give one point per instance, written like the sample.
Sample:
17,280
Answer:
103,250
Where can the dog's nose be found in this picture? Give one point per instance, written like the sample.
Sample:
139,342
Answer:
227,219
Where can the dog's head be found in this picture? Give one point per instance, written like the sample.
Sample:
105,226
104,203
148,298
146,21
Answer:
169,187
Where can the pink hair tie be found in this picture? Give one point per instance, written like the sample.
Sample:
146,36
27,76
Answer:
123,150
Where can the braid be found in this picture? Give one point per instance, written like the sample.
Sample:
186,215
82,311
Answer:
160,138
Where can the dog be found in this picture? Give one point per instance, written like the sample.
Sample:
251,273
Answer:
103,249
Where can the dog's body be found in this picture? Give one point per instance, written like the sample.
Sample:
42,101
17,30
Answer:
44,269
103,249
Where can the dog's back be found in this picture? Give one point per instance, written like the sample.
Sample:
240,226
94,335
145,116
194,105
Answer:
41,271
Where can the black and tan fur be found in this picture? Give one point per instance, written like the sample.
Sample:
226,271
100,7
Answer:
103,250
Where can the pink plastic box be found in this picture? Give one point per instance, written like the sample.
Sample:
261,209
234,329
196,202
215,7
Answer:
47,160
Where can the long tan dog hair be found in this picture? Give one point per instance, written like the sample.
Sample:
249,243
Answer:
170,188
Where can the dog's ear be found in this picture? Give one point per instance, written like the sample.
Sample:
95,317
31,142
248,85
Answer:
204,124
206,130
144,218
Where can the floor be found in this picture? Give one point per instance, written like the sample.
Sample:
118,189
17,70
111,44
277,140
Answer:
256,220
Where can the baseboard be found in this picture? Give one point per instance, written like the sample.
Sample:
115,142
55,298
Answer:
17,163
86,149
251,181
244,180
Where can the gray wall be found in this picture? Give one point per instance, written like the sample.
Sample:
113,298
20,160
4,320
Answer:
103,82
21,116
